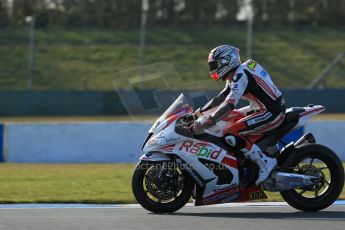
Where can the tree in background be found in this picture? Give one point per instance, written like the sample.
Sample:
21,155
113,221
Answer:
301,12
126,13
3,13
102,13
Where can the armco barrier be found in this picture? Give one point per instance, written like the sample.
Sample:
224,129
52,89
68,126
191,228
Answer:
61,103
106,142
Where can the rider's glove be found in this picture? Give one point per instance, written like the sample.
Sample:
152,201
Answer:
198,128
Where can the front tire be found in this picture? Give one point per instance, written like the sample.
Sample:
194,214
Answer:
158,193
323,194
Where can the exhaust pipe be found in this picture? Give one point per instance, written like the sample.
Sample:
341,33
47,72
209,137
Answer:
281,181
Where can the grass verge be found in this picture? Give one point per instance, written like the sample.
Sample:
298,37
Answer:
66,183
88,59
138,118
72,183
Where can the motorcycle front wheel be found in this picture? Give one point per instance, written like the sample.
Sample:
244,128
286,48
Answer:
321,162
161,187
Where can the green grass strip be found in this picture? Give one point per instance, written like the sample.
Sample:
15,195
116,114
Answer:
72,183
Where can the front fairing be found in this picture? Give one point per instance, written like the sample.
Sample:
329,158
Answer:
165,137
162,131
178,108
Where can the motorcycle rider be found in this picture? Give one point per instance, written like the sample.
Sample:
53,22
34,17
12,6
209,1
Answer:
251,82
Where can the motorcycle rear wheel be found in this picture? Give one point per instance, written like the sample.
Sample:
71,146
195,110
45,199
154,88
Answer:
148,188
316,158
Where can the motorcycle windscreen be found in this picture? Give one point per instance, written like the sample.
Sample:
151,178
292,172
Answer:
179,107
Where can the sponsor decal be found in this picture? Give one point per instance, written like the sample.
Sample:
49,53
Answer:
226,195
153,141
263,126
251,65
253,193
171,139
214,130
263,73
265,117
259,119
234,90
231,198
201,149
257,195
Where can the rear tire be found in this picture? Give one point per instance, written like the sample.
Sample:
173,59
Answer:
151,205
335,186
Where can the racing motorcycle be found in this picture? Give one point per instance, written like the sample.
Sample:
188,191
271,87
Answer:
177,165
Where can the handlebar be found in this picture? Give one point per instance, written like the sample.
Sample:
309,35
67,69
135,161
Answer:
183,125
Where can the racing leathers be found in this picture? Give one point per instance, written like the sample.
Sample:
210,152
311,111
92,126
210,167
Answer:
265,112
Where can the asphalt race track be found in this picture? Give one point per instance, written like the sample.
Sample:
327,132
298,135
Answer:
266,216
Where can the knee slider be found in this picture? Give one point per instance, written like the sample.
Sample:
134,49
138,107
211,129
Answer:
231,140
235,142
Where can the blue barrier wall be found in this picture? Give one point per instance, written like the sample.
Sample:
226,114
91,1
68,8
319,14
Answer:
100,142
330,134
116,141
1,143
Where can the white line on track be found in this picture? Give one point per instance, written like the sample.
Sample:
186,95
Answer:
86,206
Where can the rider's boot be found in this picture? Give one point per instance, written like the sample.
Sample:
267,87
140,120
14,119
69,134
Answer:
266,164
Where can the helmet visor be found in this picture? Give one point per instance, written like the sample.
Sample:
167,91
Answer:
213,65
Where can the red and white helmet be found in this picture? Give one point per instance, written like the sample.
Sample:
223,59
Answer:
222,60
